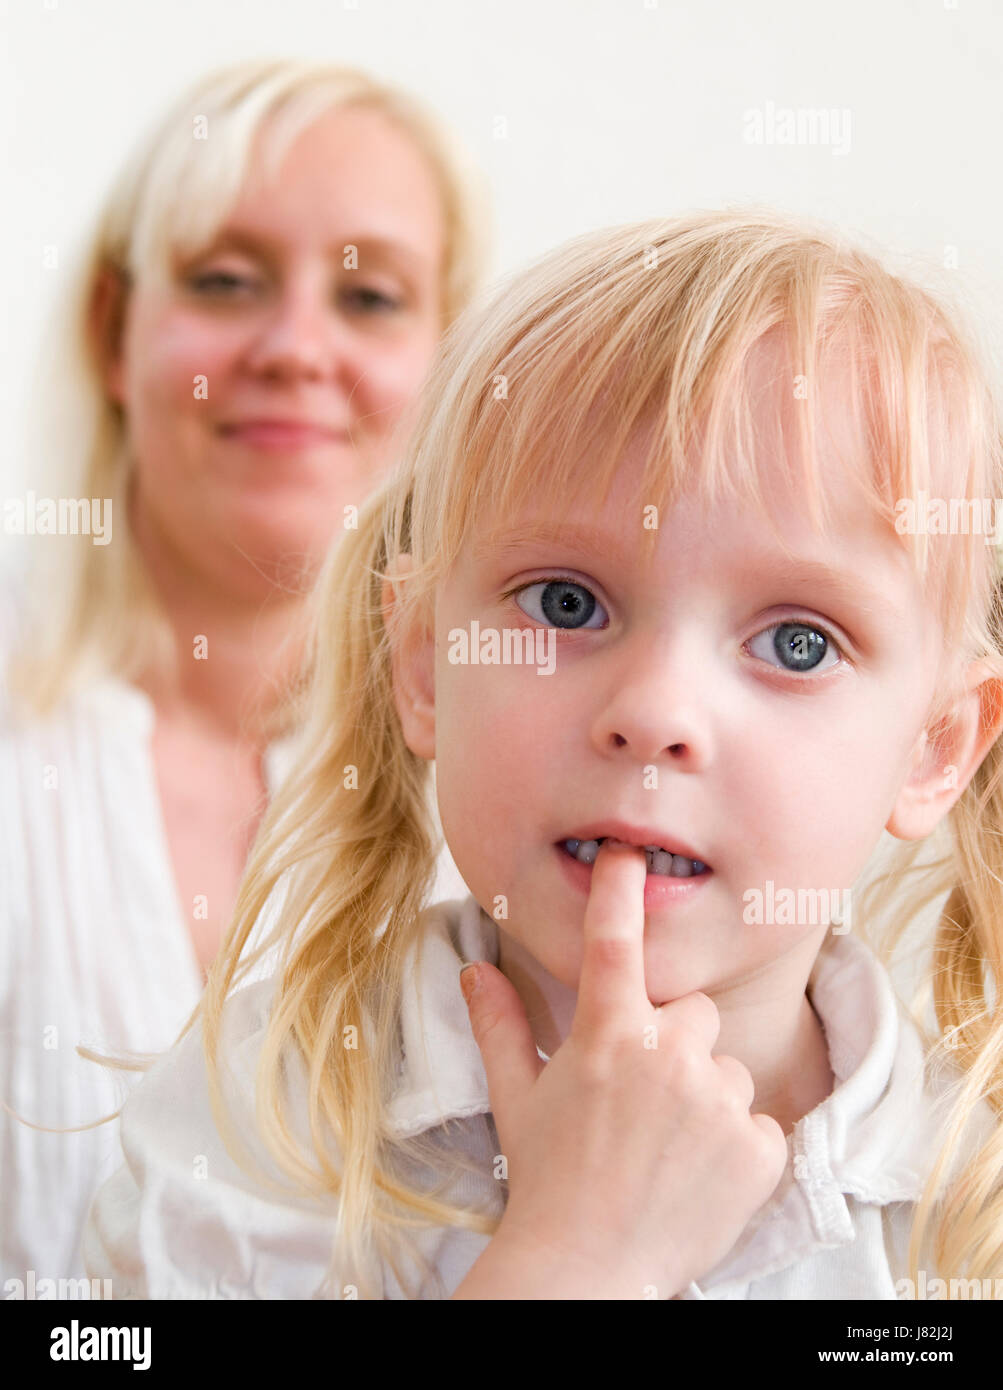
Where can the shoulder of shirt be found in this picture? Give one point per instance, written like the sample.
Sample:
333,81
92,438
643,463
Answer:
194,1213
450,933
885,1118
120,708
871,1143
119,704
440,1072
178,1077
13,590
164,1226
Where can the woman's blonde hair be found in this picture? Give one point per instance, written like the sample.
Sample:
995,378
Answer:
644,332
97,613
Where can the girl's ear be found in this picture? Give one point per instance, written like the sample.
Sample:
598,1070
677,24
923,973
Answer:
413,662
947,756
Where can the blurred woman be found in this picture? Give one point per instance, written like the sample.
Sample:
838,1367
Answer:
251,327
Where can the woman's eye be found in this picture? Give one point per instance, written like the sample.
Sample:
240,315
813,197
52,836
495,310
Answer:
562,603
798,647
220,281
370,301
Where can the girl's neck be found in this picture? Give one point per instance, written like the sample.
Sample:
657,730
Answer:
776,1035
804,1077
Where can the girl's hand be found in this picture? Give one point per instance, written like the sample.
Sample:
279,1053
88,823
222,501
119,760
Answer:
632,1169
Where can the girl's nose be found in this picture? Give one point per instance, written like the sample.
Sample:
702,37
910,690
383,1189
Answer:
656,709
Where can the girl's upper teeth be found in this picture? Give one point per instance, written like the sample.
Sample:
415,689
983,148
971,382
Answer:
660,861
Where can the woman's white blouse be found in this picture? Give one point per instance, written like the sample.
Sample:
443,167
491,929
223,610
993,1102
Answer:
181,1219
94,949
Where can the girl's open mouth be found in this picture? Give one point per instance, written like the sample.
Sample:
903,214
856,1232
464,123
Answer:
661,862
664,888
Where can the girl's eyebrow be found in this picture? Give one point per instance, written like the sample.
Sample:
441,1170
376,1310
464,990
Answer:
768,567
839,584
508,539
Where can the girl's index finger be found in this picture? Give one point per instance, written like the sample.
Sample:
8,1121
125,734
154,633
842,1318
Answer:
611,984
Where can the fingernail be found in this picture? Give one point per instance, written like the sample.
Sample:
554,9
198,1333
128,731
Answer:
469,980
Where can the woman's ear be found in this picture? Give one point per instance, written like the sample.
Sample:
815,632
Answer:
413,663
947,755
106,326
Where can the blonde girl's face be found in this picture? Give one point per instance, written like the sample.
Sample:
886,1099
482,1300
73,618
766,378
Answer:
281,321
758,713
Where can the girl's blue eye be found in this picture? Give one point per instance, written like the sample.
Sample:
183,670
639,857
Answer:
799,646
561,602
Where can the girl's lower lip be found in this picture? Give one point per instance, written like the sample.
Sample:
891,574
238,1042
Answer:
659,889
278,437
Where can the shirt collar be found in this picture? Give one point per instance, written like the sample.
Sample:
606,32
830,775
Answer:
875,1127
872,1138
875,1053
442,1074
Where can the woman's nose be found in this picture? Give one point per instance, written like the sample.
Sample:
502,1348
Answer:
657,707
304,335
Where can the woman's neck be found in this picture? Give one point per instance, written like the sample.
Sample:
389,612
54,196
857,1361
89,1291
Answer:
236,653
231,669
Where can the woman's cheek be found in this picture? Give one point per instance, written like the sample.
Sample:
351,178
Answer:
390,383
190,359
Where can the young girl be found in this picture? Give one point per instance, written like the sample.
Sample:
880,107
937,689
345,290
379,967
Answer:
656,589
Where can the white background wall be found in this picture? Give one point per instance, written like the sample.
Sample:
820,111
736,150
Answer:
615,109
612,109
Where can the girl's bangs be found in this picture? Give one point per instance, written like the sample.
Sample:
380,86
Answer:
712,431
730,354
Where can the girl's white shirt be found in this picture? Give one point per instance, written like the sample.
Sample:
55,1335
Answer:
94,948
182,1219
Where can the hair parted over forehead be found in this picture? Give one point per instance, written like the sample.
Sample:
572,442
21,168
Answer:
656,332
175,194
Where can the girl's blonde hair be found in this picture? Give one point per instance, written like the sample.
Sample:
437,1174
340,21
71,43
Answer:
98,614
644,332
